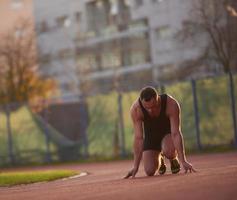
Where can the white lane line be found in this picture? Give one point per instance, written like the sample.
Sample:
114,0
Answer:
76,176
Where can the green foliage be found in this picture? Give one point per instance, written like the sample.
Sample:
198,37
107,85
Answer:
103,118
28,138
16,178
215,111
128,99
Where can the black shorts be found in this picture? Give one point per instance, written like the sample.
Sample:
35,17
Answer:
154,143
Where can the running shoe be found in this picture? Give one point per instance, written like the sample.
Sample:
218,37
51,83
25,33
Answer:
175,166
162,168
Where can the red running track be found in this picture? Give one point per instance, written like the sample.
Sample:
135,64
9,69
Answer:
216,179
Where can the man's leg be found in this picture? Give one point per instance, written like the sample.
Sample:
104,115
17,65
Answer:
168,148
169,152
151,163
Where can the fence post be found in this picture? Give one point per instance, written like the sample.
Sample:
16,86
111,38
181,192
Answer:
47,139
162,89
232,98
121,124
196,114
9,135
84,123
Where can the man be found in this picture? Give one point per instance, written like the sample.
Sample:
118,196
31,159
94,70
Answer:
158,116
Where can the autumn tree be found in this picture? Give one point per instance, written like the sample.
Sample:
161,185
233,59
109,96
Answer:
20,80
19,69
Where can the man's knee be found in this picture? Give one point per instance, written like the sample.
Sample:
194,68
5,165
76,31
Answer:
150,171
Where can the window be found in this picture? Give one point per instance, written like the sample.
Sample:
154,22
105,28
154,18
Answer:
141,23
139,49
188,27
128,3
86,62
64,53
78,16
43,27
63,21
163,32
98,15
166,68
110,59
108,14
139,3
114,7
156,1
46,58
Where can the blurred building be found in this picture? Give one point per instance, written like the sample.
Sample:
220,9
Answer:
94,46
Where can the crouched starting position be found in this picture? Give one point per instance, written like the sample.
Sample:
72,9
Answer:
157,133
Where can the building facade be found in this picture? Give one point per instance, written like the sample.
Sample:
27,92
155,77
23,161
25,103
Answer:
95,46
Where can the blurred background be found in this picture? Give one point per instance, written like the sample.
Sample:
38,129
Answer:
70,70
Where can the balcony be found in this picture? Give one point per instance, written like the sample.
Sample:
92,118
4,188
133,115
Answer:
112,32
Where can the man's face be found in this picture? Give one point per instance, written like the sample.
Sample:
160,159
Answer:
150,105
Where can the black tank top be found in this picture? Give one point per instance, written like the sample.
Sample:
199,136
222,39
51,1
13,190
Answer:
155,128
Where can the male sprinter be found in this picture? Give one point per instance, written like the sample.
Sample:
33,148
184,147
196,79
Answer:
157,117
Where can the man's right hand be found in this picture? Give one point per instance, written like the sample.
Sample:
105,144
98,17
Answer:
131,173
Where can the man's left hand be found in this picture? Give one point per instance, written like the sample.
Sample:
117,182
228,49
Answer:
188,167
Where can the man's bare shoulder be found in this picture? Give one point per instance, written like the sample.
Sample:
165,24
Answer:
135,111
172,104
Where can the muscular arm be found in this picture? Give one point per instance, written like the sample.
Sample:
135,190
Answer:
138,139
176,130
177,137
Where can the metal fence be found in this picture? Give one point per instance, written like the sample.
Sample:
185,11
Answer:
101,125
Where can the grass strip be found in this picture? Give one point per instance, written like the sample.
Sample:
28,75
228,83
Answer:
17,178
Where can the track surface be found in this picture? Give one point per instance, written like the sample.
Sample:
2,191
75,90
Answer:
216,179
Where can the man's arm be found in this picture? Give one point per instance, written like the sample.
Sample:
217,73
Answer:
176,134
137,143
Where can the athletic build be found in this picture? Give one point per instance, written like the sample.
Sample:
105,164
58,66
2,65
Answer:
156,122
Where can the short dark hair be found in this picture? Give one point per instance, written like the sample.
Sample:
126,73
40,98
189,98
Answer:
147,93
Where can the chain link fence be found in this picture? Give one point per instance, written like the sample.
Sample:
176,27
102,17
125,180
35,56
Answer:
101,127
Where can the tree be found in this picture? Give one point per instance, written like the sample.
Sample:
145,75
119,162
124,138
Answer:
19,76
217,22
20,81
